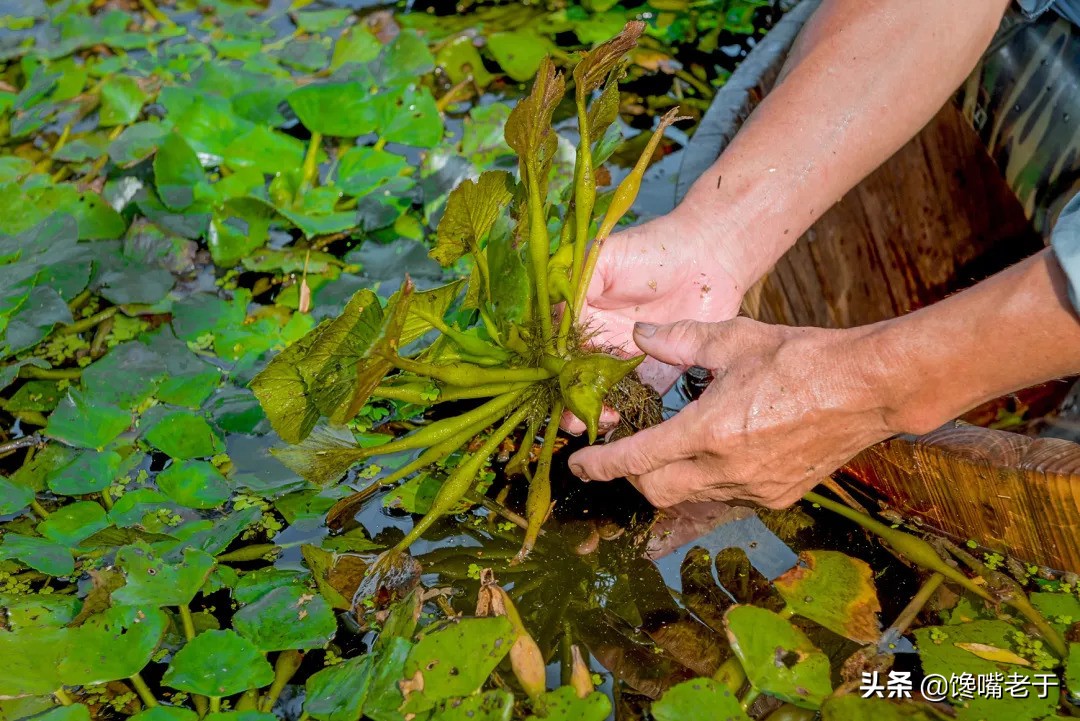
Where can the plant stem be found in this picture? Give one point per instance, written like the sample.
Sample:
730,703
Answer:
39,510
914,549
446,394
462,479
539,248
380,143
143,690
538,503
88,323
79,300
24,442
215,704
285,667
786,612
62,696
498,508
106,499
731,674
187,621
248,553
468,374
50,374
749,698
311,162
911,610
153,11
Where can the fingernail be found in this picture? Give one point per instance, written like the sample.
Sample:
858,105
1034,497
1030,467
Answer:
645,330
579,472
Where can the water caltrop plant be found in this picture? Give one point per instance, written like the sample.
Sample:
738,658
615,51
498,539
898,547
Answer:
525,361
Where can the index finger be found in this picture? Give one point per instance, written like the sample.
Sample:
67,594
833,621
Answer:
641,453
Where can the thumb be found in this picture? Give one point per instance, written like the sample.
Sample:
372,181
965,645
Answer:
685,343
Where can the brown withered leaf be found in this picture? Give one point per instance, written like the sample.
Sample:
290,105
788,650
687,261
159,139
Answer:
597,64
528,129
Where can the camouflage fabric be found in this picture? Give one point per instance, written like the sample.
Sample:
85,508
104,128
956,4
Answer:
1068,9
1024,100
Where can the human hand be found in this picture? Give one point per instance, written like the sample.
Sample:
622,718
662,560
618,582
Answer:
665,270
788,406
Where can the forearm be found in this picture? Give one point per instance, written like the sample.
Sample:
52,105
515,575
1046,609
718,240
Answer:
863,78
1009,332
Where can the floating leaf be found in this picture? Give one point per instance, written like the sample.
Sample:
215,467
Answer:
177,171
37,553
166,713
456,660
112,645
993,653
71,523
701,699
471,210
337,109
289,617
84,422
497,705
13,497
182,435
563,704
362,170
74,712
940,652
778,658
836,591
218,663
121,100
1072,669
195,484
151,579
519,52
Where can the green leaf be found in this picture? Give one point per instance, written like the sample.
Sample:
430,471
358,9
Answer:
137,143
460,60
940,654
337,692
112,645
74,712
778,658
563,704
121,100
355,45
13,497
854,708
177,171
195,484
404,59
408,116
90,472
265,150
183,435
50,558
362,170
289,617
81,421
126,376
836,591
336,109
700,699
42,310
497,705
519,52
71,523
510,291
282,390
456,659
1072,669
324,456
471,210
156,581
166,713
218,663
42,396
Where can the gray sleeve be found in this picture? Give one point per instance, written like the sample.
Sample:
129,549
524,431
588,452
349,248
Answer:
1034,8
1065,240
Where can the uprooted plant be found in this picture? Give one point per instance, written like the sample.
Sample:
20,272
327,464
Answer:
511,350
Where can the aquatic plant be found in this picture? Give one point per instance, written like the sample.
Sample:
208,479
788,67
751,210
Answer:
507,346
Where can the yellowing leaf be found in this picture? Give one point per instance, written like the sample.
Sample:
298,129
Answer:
282,390
993,653
598,63
471,210
835,590
528,129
